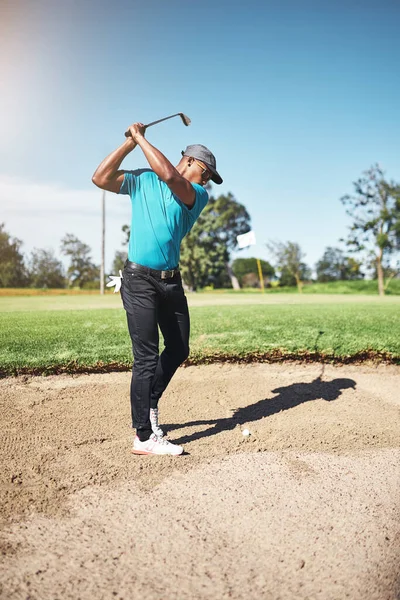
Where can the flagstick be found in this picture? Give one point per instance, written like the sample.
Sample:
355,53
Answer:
260,274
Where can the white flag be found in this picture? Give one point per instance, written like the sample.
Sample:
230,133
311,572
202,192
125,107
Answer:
246,239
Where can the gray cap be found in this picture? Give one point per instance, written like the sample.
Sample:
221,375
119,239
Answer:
202,153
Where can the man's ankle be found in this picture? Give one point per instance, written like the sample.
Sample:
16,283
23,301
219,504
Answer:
143,434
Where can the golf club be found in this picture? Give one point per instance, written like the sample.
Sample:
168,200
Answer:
185,120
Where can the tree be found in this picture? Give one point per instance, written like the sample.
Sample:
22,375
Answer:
390,271
287,279
375,211
288,258
119,261
335,266
13,271
82,270
121,255
203,261
45,270
126,230
245,268
205,251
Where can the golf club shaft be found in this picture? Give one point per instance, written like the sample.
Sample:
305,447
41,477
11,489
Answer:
127,133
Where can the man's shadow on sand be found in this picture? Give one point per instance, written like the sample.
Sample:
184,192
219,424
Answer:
288,397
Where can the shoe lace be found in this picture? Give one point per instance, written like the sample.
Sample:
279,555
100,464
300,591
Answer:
154,417
154,422
160,439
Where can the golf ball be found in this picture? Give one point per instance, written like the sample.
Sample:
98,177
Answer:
246,432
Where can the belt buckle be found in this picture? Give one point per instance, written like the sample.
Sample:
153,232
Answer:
168,274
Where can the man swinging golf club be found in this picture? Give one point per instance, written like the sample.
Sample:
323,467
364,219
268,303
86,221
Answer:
166,202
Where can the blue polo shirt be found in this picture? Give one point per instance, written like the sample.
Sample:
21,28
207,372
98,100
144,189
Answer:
160,220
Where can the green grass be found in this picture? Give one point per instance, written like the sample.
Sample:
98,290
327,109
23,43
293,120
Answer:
217,298
334,330
352,287
363,287
316,327
51,303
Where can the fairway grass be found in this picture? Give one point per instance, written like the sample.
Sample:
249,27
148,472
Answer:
93,302
336,329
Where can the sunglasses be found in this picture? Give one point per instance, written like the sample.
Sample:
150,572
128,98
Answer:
205,172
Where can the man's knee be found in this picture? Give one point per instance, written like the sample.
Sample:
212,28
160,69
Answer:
145,366
183,354
176,354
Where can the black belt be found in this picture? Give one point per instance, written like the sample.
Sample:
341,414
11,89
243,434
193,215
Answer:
154,272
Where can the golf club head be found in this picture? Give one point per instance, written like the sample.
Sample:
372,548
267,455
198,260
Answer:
185,120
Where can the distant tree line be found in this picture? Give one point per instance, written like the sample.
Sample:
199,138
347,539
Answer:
42,269
206,254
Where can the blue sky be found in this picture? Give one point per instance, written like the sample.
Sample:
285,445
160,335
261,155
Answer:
295,99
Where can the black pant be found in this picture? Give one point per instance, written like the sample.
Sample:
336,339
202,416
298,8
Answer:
149,302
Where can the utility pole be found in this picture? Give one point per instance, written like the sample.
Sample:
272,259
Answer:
103,240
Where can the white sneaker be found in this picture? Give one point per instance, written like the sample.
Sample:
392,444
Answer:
156,445
154,422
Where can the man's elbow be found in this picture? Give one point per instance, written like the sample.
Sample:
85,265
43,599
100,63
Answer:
98,181
108,185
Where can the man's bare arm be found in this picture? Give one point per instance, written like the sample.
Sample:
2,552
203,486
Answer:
107,175
180,186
